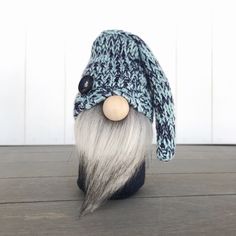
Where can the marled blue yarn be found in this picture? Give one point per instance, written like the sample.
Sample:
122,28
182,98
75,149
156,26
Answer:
122,64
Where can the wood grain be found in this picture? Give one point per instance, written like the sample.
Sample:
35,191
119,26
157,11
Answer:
194,194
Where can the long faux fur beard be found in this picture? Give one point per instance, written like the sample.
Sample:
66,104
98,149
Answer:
109,152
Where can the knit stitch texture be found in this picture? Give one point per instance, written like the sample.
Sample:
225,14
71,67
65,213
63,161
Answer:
122,64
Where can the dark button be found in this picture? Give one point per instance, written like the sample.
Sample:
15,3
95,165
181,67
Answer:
85,84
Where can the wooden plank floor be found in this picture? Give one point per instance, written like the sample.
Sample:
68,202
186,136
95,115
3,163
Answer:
194,194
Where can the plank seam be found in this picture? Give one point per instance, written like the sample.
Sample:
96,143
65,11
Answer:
146,197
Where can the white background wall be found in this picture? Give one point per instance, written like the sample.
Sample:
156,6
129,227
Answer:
45,45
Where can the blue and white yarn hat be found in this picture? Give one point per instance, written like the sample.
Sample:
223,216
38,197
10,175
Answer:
122,64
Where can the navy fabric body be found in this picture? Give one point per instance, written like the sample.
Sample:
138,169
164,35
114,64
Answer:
130,188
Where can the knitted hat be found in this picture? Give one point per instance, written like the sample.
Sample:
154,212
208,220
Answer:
122,64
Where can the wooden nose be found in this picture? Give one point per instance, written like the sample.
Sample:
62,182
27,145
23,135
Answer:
115,108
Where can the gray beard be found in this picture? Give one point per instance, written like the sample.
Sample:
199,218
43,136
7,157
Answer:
109,152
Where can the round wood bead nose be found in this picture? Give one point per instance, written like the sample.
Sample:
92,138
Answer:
115,108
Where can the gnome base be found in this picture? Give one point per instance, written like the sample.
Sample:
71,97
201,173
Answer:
130,188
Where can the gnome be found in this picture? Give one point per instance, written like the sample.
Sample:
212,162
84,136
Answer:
122,90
